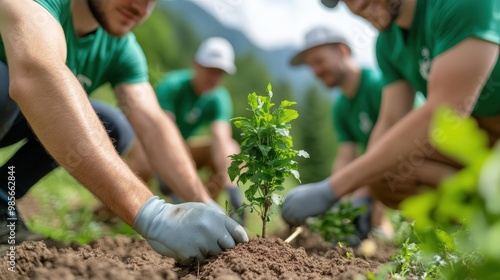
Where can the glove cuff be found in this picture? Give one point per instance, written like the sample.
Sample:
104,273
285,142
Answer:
214,205
359,201
326,189
234,194
148,211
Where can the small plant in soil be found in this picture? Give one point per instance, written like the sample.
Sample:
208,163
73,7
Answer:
266,156
337,225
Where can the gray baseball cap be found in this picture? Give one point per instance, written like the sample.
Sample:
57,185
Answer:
318,36
330,3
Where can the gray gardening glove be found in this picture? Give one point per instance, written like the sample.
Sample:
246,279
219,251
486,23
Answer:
236,200
363,223
214,205
307,201
188,231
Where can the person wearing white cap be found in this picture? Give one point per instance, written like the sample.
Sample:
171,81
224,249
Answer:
355,112
194,99
449,51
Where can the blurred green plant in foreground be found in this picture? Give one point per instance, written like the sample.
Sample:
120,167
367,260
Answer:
458,224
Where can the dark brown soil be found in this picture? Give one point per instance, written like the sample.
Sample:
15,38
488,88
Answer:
132,258
306,257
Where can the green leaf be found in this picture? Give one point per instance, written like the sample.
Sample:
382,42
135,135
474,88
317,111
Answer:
454,193
242,122
269,88
446,239
260,200
252,100
276,199
493,248
458,137
489,181
286,103
295,174
303,154
420,208
267,118
264,149
283,132
288,115
233,171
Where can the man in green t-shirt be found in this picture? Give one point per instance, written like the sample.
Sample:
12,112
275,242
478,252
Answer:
59,50
195,99
446,49
355,111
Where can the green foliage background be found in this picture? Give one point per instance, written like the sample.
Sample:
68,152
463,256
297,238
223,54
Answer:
169,43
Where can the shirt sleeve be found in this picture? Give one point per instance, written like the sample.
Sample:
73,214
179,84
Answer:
54,7
457,20
390,74
223,106
131,66
340,123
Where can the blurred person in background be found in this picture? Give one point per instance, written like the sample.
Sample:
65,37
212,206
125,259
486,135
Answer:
449,51
194,99
354,113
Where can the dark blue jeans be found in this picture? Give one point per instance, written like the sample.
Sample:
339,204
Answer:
31,161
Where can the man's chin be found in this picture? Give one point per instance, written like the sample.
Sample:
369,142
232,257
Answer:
381,27
118,31
330,84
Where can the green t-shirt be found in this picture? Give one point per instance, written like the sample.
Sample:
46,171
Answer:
438,26
176,95
97,58
354,118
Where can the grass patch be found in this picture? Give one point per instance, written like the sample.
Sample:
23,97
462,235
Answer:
64,209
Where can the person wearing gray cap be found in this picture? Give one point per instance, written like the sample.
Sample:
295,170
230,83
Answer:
449,51
355,112
194,99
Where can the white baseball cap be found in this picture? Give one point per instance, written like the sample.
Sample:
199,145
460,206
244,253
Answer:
330,3
318,36
216,52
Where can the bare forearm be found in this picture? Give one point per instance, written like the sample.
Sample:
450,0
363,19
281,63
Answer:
411,136
170,159
339,164
162,142
347,152
58,110
221,151
378,132
61,116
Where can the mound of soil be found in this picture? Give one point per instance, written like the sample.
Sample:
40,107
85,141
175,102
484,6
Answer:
132,258
274,259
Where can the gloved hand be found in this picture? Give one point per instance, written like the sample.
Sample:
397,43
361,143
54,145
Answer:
187,231
306,201
236,200
214,205
363,222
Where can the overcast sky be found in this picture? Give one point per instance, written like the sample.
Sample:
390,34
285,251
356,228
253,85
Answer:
276,23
